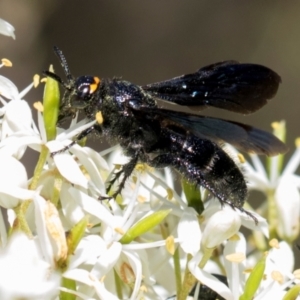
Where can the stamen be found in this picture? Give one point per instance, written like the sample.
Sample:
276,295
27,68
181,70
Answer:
6,62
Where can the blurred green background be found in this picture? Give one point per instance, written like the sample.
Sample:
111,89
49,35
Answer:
149,41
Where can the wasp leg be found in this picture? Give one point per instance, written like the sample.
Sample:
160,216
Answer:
79,137
126,171
196,172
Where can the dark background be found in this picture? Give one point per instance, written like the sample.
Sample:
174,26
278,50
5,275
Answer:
149,41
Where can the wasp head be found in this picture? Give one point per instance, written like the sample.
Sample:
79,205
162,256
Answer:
78,92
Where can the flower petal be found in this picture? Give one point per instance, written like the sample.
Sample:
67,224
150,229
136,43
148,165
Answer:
107,260
208,279
88,251
287,199
17,117
13,178
66,165
190,243
49,230
23,272
8,89
220,226
7,29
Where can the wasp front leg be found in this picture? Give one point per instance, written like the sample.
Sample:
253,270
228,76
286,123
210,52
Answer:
79,137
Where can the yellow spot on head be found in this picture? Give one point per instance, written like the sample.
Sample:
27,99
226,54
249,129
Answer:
44,79
6,62
94,86
97,80
297,142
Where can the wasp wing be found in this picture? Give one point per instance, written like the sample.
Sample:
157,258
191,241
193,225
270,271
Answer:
242,88
244,137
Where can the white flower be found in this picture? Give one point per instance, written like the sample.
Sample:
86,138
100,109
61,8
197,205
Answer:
17,127
13,182
50,231
188,223
282,191
279,261
123,244
221,226
276,275
111,255
24,274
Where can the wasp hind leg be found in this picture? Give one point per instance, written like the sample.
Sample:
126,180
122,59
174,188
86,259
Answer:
206,164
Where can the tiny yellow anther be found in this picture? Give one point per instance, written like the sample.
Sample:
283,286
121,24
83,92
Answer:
6,62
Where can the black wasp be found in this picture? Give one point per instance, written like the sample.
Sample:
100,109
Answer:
189,143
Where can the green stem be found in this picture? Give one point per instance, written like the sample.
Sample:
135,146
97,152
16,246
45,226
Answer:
188,281
118,284
206,256
272,214
20,223
69,284
39,167
177,269
58,181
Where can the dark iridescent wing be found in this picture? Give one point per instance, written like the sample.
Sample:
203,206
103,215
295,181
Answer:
242,88
243,137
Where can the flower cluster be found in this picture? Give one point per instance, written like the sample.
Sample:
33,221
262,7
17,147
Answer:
58,241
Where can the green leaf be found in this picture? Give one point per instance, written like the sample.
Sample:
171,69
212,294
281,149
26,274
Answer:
51,106
144,225
292,293
73,238
254,279
76,234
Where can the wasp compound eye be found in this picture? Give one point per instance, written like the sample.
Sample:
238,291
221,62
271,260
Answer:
86,86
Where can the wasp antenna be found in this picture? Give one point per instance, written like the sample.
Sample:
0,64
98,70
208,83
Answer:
57,78
63,63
